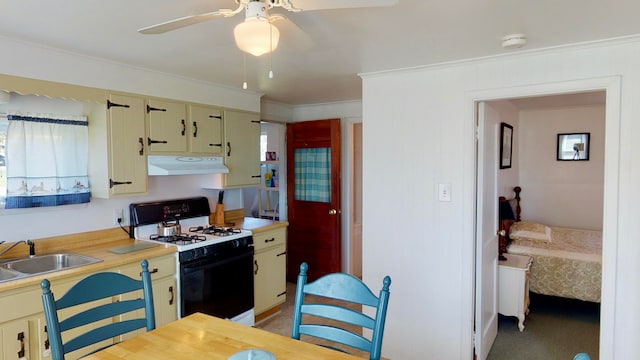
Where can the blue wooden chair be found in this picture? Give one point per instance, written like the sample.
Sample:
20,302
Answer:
95,287
581,356
344,290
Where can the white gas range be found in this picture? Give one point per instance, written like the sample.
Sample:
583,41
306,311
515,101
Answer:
195,233
214,263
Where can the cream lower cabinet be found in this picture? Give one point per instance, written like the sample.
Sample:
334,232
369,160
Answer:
270,263
163,277
15,339
23,329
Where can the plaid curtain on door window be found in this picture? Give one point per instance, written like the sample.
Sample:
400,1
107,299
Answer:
312,174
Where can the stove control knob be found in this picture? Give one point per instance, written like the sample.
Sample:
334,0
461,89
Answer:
236,243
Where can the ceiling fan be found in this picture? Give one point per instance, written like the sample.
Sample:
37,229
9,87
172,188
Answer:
257,19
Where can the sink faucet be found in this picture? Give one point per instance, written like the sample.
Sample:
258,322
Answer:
32,247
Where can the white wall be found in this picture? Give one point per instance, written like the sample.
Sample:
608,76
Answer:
562,193
509,178
418,132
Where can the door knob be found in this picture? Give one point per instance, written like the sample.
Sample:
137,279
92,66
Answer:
502,233
334,212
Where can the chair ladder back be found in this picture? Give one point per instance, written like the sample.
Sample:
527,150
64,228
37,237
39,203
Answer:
381,315
347,288
101,312
344,287
100,286
339,313
102,333
337,335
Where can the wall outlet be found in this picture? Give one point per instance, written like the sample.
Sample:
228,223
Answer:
118,214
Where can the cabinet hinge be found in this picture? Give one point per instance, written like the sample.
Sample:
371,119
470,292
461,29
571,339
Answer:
111,104
150,109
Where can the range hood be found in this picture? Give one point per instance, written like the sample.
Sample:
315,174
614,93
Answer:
185,165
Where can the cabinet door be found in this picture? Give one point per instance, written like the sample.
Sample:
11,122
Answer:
15,340
205,130
270,287
167,126
128,160
163,270
242,148
165,300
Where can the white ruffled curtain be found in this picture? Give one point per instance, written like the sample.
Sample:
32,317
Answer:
46,158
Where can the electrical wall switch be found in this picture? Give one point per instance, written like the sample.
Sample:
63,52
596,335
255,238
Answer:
444,192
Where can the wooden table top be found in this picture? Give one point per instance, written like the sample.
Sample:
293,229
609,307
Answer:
199,336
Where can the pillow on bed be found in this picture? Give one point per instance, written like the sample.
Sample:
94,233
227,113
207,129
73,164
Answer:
524,230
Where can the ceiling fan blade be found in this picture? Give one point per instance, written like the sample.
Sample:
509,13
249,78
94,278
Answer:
308,5
183,21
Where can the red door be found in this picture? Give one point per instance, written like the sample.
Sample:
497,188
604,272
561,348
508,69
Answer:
313,197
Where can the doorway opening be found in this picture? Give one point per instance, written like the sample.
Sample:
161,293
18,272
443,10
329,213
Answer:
609,86
549,197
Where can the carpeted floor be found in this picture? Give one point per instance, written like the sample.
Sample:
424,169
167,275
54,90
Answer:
555,328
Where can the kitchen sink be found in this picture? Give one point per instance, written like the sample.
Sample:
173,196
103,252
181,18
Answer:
41,264
6,274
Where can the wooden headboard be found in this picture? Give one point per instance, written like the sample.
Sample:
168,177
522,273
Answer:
507,215
516,200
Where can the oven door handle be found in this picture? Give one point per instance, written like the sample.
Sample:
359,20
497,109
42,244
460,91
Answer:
205,263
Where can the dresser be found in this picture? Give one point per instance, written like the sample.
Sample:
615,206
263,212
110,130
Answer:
513,286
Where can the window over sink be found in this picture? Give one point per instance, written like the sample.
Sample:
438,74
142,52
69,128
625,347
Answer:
43,152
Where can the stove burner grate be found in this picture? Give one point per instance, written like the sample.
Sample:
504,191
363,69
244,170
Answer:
181,239
215,230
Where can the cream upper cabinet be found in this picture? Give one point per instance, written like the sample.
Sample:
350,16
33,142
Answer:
118,165
166,126
241,151
205,130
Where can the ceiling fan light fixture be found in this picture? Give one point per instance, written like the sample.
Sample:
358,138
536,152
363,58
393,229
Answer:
256,36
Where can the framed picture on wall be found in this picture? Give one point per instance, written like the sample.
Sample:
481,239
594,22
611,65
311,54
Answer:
573,146
506,145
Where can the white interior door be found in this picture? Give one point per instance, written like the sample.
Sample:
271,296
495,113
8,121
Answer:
486,328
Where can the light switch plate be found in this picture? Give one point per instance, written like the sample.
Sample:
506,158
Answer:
444,192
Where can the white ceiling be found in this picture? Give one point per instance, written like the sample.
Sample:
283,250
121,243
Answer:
343,43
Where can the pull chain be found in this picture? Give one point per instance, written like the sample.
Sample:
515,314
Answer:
244,70
270,51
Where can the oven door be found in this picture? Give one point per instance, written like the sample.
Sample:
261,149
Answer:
218,287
